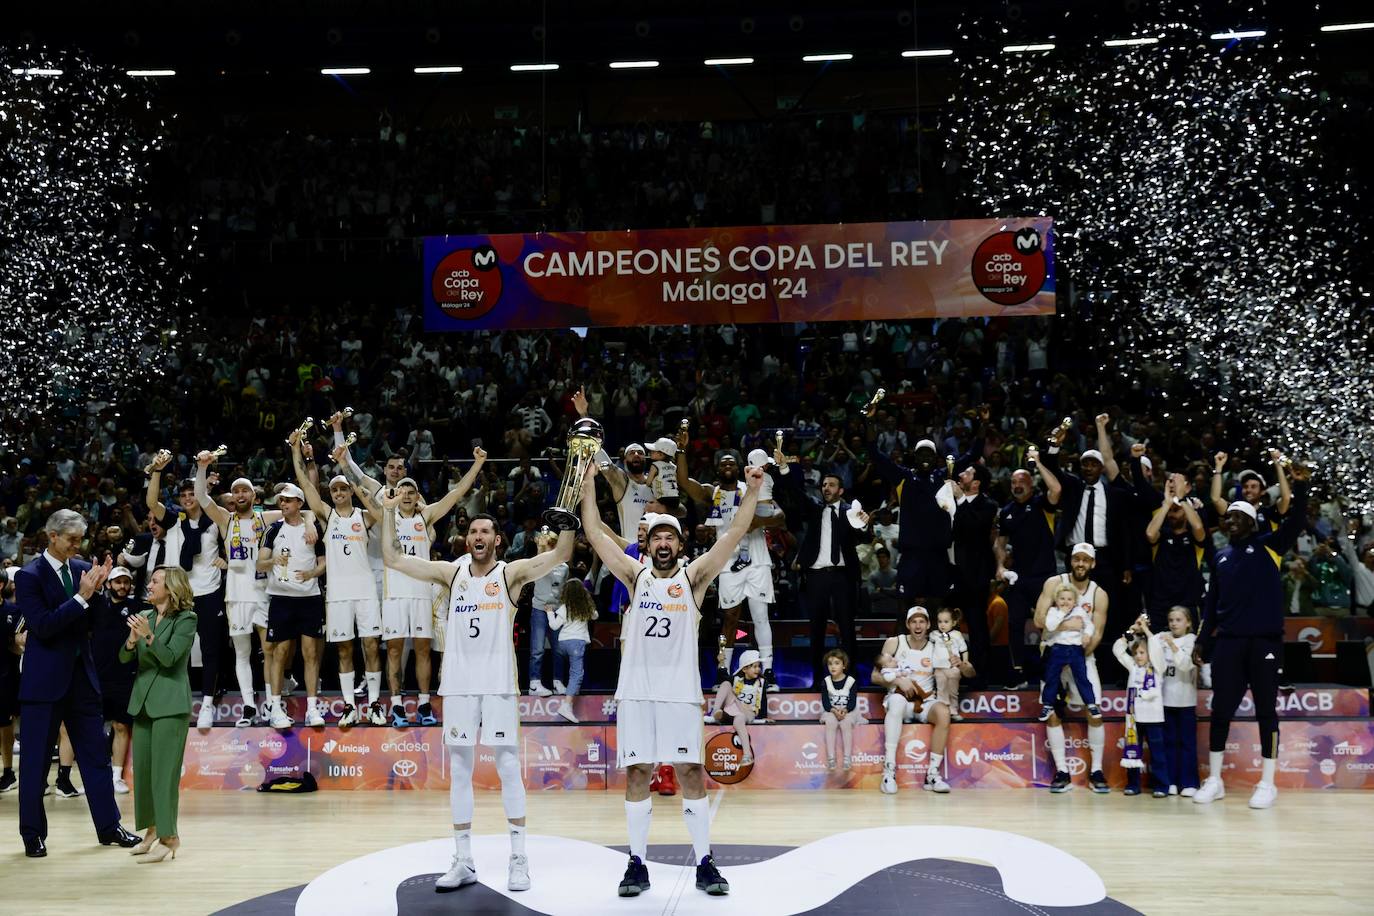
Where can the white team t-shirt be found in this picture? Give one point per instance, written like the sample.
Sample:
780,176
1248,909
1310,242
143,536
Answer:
479,648
301,558
658,659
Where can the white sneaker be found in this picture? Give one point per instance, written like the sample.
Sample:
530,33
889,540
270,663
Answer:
313,719
1188,792
519,879
289,685
279,718
461,873
566,711
537,689
1173,790
559,687
1264,796
206,719
120,786
889,784
350,717
1212,790
935,784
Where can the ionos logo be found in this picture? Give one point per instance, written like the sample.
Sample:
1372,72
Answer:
405,768
406,747
1077,766
1352,765
1009,268
1346,749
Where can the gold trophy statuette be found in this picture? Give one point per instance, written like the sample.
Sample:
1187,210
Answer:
872,404
219,452
303,428
949,466
584,441
1061,430
162,452
283,570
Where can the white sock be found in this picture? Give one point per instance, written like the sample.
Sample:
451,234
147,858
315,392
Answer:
243,668
1267,770
396,701
935,761
697,811
424,698
517,839
273,702
637,816
346,685
1097,739
462,842
374,686
310,704
117,770
1054,737
1214,759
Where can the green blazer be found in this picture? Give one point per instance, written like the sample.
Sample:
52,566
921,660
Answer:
162,687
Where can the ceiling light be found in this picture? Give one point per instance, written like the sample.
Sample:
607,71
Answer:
345,71
1021,49
929,52
1129,42
438,69
633,64
815,58
727,61
532,68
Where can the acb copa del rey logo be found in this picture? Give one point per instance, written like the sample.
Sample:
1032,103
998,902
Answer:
1010,267
467,283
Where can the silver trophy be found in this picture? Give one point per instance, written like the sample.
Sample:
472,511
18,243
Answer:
584,441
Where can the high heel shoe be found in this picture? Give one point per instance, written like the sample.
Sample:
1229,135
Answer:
142,848
162,852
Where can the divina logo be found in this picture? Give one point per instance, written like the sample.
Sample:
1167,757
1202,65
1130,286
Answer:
405,747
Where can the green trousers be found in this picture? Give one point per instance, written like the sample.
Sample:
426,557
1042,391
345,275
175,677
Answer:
159,747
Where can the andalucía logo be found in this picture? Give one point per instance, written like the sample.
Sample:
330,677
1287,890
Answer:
467,282
1009,268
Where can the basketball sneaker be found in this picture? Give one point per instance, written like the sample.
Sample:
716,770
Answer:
519,877
710,880
1212,790
424,715
1264,796
206,719
636,879
398,717
350,717
889,783
1061,783
1094,710
314,719
934,783
1045,713
376,713
664,781
120,786
460,874
1188,792
537,689
8,782
1098,782
770,682
246,718
559,688
279,718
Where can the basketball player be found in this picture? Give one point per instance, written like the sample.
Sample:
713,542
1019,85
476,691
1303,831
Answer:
1242,634
392,471
479,677
749,576
658,693
407,602
1093,600
200,542
906,667
629,487
351,604
295,608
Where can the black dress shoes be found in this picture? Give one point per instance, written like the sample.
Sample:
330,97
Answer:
119,837
34,847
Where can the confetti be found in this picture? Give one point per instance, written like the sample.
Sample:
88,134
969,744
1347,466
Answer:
1198,220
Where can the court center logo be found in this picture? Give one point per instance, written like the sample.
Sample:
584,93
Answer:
467,283
1009,268
723,756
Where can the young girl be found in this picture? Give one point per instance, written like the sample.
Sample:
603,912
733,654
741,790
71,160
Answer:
1180,703
742,700
838,700
947,679
1144,709
569,622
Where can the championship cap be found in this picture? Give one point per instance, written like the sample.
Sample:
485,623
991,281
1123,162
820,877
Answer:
1092,453
241,482
338,478
1084,548
632,447
660,520
665,445
758,458
912,612
925,443
407,480
1146,463
1241,505
290,491
1247,474
120,571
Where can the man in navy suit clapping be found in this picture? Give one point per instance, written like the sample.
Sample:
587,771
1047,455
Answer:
58,684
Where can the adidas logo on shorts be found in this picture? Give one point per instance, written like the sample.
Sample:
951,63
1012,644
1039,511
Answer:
500,734
682,750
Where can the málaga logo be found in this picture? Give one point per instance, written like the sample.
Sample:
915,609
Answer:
1009,268
675,591
467,283
492,589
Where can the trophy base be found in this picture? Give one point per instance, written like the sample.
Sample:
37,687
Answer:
560,519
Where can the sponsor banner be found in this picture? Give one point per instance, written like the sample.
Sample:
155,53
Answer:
743,274
1312,755
1321,633
575,757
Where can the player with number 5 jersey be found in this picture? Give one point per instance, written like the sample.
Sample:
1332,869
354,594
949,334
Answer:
478,679
658,711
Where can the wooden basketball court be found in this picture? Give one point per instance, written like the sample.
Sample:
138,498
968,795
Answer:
1309,854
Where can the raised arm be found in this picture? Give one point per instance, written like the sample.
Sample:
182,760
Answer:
218,514
1152,530
1104,445
311,491
1282,540
451,499
694,490
540,565
1285,489
708,566
439,572
152,497
1053,488
1218,501
367,487
598,535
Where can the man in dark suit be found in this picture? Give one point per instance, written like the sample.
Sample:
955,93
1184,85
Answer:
59,684
975,515
829,568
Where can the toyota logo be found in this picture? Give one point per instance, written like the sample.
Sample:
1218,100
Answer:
1077,766
405,768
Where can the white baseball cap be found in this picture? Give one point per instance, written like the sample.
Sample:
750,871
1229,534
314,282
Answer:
759,458
660,519
1092,453
290,491
1146,463
338,478
912,612
241,482
746,658
665,445
119,571
632,447
1241,505
1084,548
925,443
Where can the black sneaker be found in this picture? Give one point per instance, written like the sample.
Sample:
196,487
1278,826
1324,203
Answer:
65,789
8,781
636,880
1098,782
771,684
1061,782
1094,710
709,878
1045,713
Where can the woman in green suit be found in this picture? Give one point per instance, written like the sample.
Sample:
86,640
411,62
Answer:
161,639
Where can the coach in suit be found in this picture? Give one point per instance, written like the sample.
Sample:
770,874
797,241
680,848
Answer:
829,568
59,685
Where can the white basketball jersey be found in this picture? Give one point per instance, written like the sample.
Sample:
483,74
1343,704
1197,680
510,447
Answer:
243,582
658,637
414,537
301,557
921,663
631,507
479,644
349,575
753,547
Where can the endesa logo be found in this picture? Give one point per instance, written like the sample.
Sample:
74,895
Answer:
467,283
1009,268
406,747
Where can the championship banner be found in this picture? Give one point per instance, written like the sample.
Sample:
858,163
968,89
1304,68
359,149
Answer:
743,274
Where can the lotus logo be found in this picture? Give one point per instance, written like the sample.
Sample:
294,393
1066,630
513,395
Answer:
915,750
1310,635
966,758
808,751
405,768
1077,766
